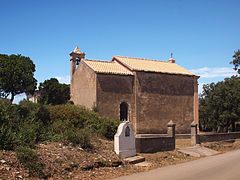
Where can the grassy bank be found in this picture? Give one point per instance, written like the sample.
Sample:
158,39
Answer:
23,127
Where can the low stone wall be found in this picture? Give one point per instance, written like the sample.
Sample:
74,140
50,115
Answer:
146,143
217,137
183,136
151,143
200,138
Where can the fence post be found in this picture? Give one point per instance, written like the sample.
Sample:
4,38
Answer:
171,133
171,129
194,135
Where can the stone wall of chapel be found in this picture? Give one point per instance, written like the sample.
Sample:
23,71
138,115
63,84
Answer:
83,86
161,98
112,90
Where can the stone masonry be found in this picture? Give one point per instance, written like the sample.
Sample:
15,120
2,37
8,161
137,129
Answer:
146,93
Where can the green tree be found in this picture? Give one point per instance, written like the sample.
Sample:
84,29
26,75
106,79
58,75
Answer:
219,105
53,92
236,61
205,118
16,75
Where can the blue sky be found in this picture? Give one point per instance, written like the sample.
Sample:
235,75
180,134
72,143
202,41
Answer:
202,35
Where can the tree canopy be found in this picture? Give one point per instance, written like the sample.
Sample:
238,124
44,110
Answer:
16,75
219,105
236,61
53,92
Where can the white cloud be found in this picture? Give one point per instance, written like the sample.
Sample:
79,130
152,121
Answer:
207,72
64,79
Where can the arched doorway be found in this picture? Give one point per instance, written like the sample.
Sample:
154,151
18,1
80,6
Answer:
123,111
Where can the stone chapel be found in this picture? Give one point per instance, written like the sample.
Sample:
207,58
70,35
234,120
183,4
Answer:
147,93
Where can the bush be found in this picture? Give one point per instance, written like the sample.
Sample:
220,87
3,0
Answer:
42,114
24,124
29,123
8,125
28,134
79,137
35,111
95,107
9,114
69,116
103,126
64,116
108,128
30,160
8,138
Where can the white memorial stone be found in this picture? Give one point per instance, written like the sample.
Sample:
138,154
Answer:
124,141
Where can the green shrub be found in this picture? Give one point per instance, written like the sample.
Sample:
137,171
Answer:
29,123
34,125
95,107
24,124
30,160
70,115
9,114
79,137
8,125
30,106
103,126
42,113
8,140
108,128
28,134
35,111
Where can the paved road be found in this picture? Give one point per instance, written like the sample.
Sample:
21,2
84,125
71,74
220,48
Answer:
220,167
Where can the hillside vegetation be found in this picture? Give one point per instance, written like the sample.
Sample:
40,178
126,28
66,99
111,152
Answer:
23,127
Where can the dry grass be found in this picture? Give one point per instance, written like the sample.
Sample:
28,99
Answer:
63,161
223,146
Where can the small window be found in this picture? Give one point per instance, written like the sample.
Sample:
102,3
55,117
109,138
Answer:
127,131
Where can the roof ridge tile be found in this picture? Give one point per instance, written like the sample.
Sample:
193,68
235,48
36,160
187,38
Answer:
96,60
142,59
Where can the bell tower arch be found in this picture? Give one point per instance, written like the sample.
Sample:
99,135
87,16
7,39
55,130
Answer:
75,57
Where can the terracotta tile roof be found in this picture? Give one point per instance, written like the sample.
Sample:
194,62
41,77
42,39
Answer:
139,64
107,67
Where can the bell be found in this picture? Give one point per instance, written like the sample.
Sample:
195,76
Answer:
77,61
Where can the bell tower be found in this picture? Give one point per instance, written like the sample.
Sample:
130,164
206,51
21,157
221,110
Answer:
75,57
